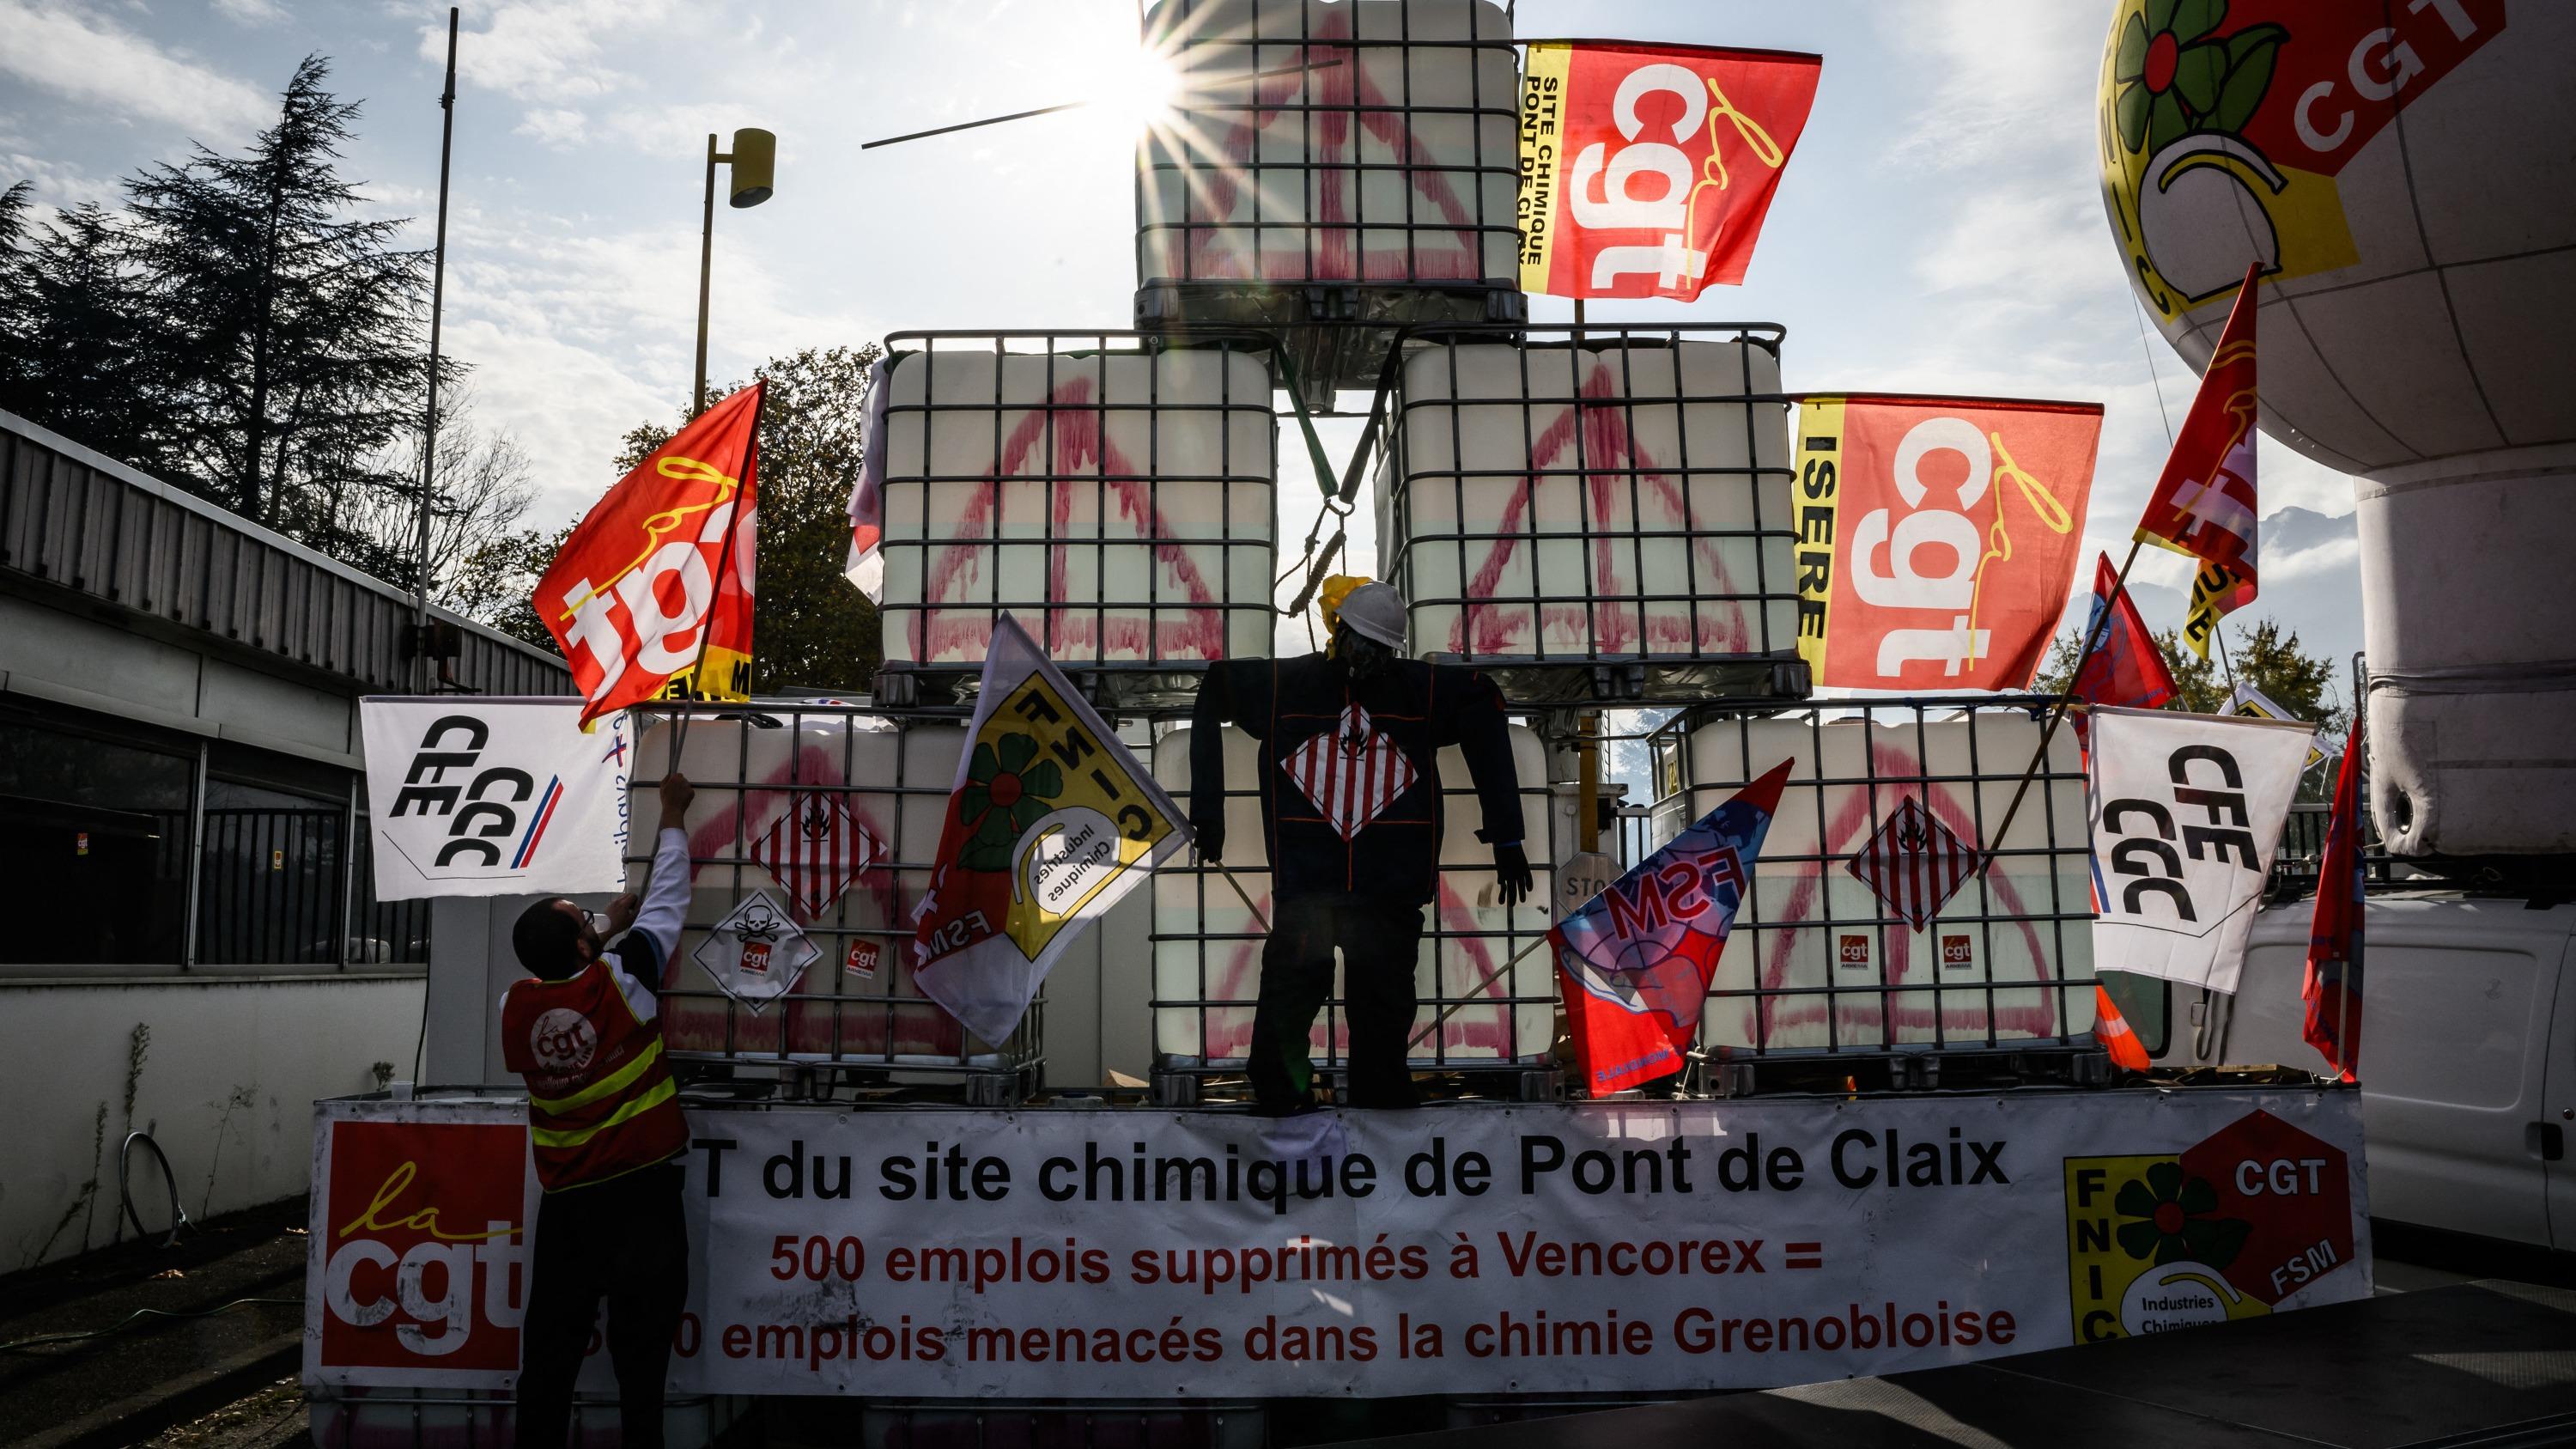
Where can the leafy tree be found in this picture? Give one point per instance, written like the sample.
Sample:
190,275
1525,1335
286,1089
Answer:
2265,656
812,627
496,581
482,490
291,327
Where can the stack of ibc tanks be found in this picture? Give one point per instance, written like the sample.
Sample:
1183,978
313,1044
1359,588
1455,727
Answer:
1337,169
1918,967
1340,171
1601,516
1111,493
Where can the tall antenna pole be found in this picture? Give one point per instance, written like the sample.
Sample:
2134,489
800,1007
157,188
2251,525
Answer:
428,672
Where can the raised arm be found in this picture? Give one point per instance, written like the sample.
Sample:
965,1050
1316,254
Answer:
666,891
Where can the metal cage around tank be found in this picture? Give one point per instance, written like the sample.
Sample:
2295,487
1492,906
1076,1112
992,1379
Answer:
1595,512
1824,968
1334,169
1114,492
855,1009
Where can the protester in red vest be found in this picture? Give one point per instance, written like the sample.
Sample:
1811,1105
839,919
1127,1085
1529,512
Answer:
585,1033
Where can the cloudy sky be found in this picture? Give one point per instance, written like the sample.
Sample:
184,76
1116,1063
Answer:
1939,229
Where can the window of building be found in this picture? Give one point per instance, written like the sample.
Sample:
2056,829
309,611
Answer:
94,834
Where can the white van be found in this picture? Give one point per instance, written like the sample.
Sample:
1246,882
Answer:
2468,1054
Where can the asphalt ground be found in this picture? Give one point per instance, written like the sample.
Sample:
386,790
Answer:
186,1357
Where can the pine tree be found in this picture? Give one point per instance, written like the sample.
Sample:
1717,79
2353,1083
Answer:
74,314
291,328
13,291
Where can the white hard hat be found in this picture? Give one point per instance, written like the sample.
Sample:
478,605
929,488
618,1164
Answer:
1376,611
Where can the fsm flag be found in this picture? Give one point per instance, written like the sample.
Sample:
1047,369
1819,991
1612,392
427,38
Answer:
1050,822
1637,959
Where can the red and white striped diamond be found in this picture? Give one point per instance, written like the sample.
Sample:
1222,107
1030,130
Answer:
1351,773
815,849
1914,863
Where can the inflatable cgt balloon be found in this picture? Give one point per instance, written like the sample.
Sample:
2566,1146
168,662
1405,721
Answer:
2406,172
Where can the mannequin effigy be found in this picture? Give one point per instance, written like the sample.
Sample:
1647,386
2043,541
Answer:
1350,807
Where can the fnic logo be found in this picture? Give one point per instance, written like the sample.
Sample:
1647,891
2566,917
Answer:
423,1258
2228,1228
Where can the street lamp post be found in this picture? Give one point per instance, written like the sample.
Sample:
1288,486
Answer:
754,159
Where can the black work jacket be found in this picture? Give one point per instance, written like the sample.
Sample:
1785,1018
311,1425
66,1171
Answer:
1420,708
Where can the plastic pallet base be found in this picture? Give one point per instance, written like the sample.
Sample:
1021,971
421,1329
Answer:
1906,1071
1504,1081
1337,334
1758,677
1170,686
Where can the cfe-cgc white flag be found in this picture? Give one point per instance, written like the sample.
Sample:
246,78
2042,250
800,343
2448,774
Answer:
469,795
2187,810
1050,822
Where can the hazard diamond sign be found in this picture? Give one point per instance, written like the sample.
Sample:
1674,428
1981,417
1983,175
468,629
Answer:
1914,864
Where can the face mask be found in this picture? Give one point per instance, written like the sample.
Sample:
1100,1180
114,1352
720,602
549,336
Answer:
1366,657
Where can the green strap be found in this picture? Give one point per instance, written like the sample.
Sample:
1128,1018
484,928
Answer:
1325,476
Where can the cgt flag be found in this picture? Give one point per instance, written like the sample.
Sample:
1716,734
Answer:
1646,169
1937,536
1636,960
651,596
2204,503
2187,811
1050,822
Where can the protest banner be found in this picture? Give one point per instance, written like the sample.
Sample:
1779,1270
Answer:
1603,1247
470,795
1937,537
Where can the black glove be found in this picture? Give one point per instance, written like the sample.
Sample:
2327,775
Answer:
1512,872
1209,841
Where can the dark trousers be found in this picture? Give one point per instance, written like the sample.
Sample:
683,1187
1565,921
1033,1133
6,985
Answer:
1378,940
623,1240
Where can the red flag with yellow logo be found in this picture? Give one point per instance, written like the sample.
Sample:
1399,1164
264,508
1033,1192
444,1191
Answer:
1936,536
2204,503
651,596
1646,169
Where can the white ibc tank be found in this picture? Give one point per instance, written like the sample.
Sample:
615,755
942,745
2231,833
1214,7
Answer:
1379,145
1118,505
1601,501
1207,947
2404,173
894,782
1818,962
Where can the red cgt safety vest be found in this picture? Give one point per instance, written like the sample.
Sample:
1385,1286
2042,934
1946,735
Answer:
599,1094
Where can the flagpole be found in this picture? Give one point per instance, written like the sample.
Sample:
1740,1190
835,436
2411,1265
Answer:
724,570
1452,1008
427,673
2039,757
